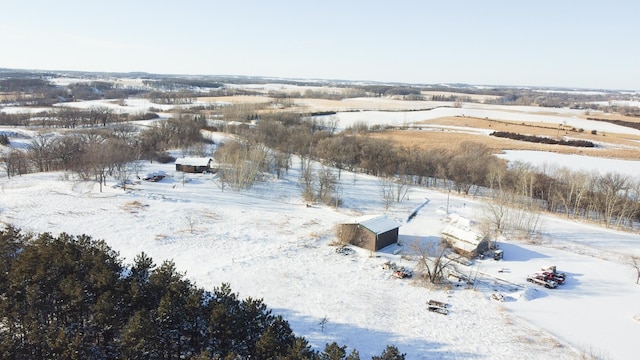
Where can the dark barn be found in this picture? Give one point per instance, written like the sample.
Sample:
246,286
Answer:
370,232
193,165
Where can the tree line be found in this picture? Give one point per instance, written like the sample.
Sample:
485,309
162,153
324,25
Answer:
68,117
71,297
96,154
32,90
268,146
467,168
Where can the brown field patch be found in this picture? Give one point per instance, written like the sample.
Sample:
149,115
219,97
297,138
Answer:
8,96
537,129
610,116
621,146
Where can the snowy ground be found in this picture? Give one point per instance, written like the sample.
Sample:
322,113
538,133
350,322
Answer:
266,243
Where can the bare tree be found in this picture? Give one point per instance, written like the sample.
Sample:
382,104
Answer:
67,150
523,178
327,186
191,219
120,160
394,189
332,124
469,166
99,158
612,189
40,152
281,161
378,156
634,261
507,213
69,117
100,115
386,185
571,190
433,260
242,162
495,213
14,163
307,179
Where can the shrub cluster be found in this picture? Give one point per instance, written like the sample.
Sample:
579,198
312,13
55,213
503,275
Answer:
629,124
541,139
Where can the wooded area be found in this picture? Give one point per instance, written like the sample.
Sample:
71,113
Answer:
97,143
71,297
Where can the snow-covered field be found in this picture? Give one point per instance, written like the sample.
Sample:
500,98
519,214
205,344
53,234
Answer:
520,114
266,243
575,162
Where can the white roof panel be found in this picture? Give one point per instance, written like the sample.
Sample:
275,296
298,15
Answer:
195,161
378,223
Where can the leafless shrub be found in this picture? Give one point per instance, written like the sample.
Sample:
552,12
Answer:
510,215
432,260
592,354
134,206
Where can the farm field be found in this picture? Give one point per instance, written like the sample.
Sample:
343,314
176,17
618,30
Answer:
429,124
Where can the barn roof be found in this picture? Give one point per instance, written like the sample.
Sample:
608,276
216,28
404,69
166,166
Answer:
194,161
462,237
377,224
461,234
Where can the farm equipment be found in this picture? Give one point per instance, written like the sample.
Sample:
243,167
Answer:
397,272
438,307
402,273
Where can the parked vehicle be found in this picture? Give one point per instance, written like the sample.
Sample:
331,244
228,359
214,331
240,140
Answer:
552,273
542,281
551,276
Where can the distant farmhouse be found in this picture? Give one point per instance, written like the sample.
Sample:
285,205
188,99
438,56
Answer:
194,164
463,239
370,232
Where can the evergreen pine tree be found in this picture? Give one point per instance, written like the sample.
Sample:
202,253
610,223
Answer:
333,351
390,353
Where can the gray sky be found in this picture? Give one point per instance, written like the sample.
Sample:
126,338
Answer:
565,43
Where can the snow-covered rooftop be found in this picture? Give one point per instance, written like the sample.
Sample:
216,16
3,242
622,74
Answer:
377,224
195,161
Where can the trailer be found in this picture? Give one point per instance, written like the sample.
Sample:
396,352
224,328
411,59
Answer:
438,307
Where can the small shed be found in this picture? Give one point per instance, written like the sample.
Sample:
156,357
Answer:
194,164
464,240
370,232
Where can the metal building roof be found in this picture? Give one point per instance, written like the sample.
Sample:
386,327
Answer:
377,224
